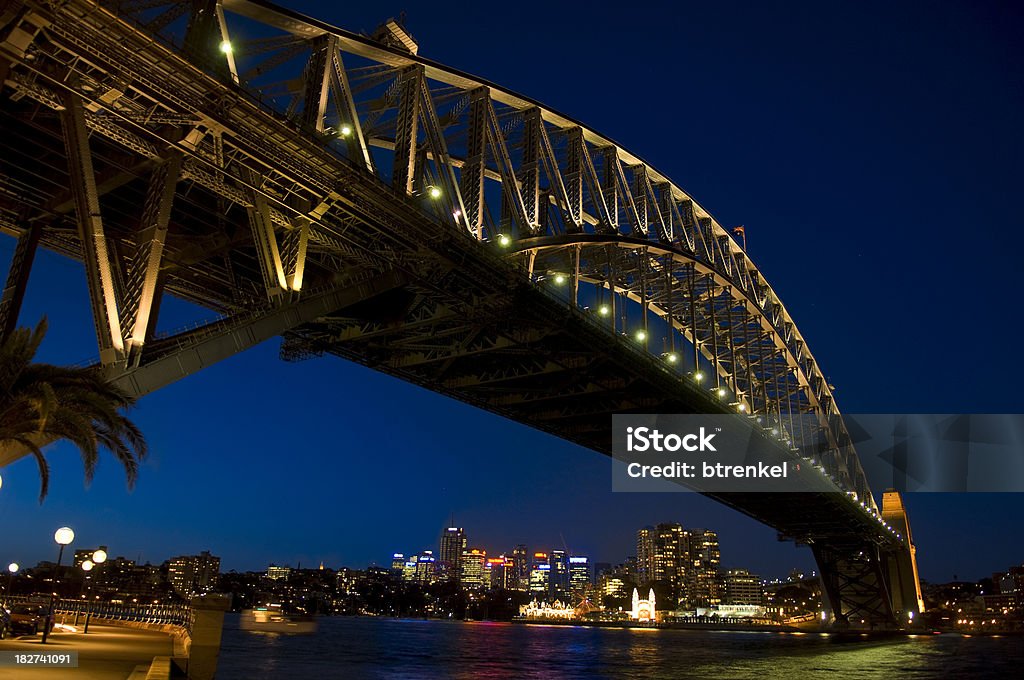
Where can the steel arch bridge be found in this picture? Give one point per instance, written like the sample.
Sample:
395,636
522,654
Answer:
360,200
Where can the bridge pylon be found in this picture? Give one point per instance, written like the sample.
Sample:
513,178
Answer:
870,584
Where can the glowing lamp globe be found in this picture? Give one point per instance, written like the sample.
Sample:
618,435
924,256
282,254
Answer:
64,535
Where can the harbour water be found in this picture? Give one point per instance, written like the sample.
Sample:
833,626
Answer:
391,648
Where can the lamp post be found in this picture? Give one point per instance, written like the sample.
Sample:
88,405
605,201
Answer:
62,537
98,558
12,569
86,568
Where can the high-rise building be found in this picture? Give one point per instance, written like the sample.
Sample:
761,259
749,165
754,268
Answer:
663,556
742,588
540,580
397,564
521,560
705,585
453,542
559,575
644,555
191,575
580,578
473,565
494,573
426,567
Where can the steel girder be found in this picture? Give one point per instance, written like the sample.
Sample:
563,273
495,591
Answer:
84,85
456,132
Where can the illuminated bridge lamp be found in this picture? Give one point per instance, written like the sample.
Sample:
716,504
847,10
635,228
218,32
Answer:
641,335
559,279
672,357
604,310
225,47
741,407
698,376
720,392
504,241
345,131
99,557
434,192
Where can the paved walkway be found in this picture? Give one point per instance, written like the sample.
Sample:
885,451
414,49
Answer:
106,653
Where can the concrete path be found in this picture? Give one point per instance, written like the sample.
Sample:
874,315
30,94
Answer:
106,653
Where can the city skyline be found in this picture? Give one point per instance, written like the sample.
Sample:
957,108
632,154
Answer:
314,484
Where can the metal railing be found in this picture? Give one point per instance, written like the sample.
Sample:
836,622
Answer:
136,612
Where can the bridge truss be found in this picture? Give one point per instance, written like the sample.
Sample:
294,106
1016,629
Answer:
342,191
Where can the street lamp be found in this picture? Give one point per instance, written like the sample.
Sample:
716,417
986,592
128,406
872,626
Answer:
12,569
63,537
98,558
87,566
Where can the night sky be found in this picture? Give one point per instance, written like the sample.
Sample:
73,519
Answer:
873,152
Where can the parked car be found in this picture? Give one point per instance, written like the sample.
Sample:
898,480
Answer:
28,619
5,622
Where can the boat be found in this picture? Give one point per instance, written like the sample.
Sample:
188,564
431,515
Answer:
272,618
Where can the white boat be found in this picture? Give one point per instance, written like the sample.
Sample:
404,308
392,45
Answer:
272,619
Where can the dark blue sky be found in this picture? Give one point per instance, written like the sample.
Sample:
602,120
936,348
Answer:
873,152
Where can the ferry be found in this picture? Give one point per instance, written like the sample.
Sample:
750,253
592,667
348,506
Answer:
272,618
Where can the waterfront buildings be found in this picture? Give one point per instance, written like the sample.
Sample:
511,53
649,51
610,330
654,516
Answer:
453,542
276,573
742,588
643,609
580,580
559,575
472,568
704,581
521,560
191,575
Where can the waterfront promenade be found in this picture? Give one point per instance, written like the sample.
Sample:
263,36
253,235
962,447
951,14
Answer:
106,653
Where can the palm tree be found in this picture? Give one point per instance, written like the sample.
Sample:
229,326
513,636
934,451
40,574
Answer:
40,403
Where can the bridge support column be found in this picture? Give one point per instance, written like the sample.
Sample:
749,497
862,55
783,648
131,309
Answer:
902,566
98,269
855,586
17,278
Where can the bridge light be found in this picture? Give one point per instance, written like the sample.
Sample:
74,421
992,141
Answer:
671,357
720,391
604,310
434,192
345,131
559,279
742,408
698,376
641,335
225,47
504,240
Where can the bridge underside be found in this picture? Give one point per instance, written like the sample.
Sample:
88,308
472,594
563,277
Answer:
163,179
